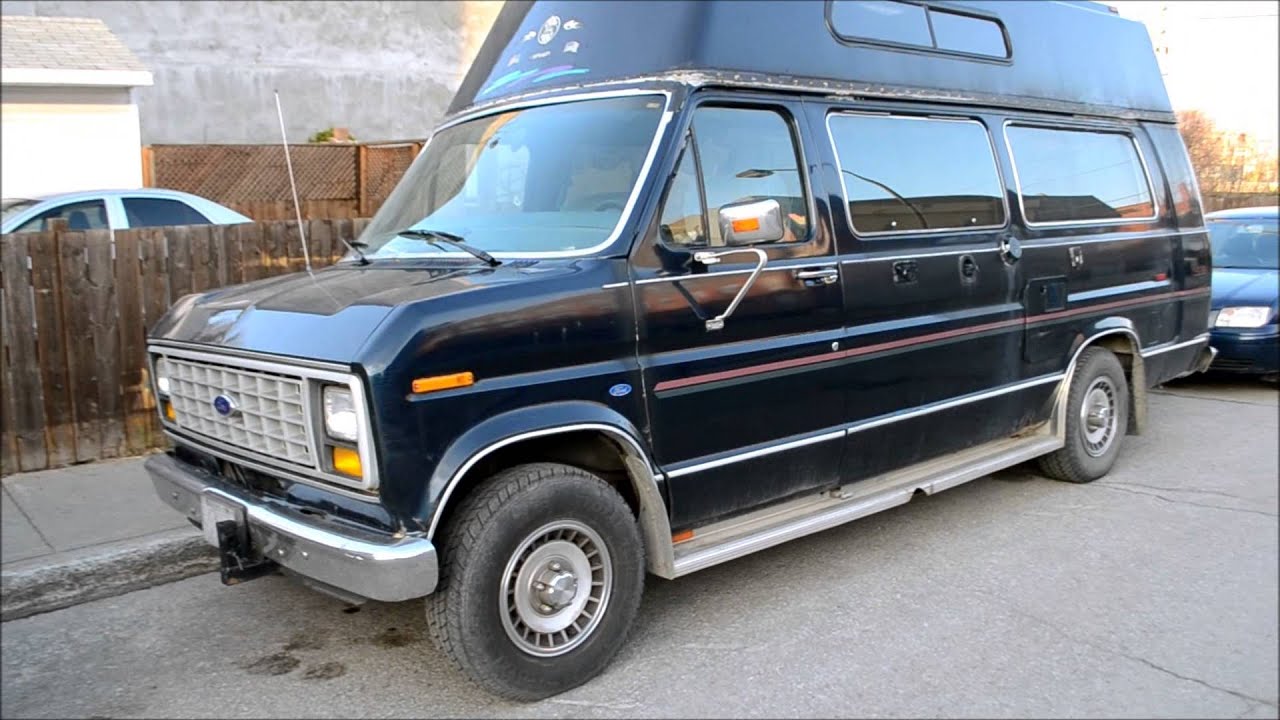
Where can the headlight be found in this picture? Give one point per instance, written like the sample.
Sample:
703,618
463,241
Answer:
340,413
162,377
1243,317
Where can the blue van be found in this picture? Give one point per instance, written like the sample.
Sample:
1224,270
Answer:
675,282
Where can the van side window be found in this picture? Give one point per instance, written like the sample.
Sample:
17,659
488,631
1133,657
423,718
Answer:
746,155
918,26
1078,176
682,218
904,174
885,20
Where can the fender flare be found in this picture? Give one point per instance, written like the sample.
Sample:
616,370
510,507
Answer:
1107,327
527,423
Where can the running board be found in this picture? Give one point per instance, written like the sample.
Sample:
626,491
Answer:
733,538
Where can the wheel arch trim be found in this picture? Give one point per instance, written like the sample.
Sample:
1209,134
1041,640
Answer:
655,526
1110,327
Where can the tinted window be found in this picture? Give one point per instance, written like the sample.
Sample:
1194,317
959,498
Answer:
749,155
911,24
902,174
159,212
882,20
1072,176
961,33
681,222
86,215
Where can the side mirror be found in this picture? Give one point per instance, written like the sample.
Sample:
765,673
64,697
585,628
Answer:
748,223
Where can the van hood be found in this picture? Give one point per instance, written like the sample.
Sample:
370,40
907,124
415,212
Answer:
327,315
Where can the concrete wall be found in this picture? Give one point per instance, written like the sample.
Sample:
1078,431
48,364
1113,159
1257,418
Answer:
386,70
59,139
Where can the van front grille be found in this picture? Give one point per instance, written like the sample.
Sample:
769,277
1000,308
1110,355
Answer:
259,412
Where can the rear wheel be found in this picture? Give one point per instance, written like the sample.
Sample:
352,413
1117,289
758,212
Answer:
541,577
1097,419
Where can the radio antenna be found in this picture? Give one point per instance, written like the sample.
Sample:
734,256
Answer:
297,208
306,255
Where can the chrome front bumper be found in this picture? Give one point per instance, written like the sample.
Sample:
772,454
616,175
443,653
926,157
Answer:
369,565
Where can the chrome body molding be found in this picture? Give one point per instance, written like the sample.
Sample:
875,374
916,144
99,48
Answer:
1118,290
806,263
654,522
883,256
1167,347
317,372
861,425
376,566
730,539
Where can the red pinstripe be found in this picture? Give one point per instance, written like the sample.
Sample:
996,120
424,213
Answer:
917,340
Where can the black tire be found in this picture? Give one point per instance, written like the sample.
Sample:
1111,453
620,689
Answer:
465,615
1080,460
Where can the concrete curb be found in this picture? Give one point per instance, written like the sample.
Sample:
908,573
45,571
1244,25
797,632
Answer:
70,578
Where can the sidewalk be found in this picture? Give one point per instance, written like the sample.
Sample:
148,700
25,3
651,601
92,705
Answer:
87,532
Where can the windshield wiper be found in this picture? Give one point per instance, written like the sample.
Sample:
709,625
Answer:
356,247
438,236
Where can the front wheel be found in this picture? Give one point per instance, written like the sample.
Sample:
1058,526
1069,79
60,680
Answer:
1097,419
541,577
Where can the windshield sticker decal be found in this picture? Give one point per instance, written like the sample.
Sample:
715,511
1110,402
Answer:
544,34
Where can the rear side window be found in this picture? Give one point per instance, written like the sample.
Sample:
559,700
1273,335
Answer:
905,174
160,212
85,215
914,25
1075,176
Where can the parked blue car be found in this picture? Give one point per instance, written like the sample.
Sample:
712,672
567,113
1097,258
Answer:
1246,269
114,210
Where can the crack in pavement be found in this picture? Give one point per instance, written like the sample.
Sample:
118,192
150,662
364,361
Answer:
1157,496
1185,396
1113,483
1250,700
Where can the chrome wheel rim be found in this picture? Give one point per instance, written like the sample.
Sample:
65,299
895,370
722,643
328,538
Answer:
1098,416
555,588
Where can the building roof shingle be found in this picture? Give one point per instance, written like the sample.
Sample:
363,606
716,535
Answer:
62,43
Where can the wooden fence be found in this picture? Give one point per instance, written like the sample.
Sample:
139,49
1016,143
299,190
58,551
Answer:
76,307
334,180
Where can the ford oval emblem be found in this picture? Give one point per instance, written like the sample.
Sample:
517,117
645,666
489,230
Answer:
225,406
620,390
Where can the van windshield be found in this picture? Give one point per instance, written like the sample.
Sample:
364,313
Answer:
550,178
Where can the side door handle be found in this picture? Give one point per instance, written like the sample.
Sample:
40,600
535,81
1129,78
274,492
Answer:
818,276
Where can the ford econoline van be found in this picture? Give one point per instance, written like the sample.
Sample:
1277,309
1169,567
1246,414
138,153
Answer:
675,282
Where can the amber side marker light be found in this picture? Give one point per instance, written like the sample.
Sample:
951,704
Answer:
682,536
169,412
746,225
347,462
443,382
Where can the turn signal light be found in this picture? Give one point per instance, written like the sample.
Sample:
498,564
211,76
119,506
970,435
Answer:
443,382
682,536
746,225
169,412
347,462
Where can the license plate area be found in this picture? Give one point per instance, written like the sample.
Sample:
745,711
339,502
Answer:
215,509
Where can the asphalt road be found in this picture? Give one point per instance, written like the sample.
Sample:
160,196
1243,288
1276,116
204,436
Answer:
1150,593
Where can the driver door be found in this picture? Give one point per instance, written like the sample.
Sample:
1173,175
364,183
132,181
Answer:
748,413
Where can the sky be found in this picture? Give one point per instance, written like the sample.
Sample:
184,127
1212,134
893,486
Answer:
1223,58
